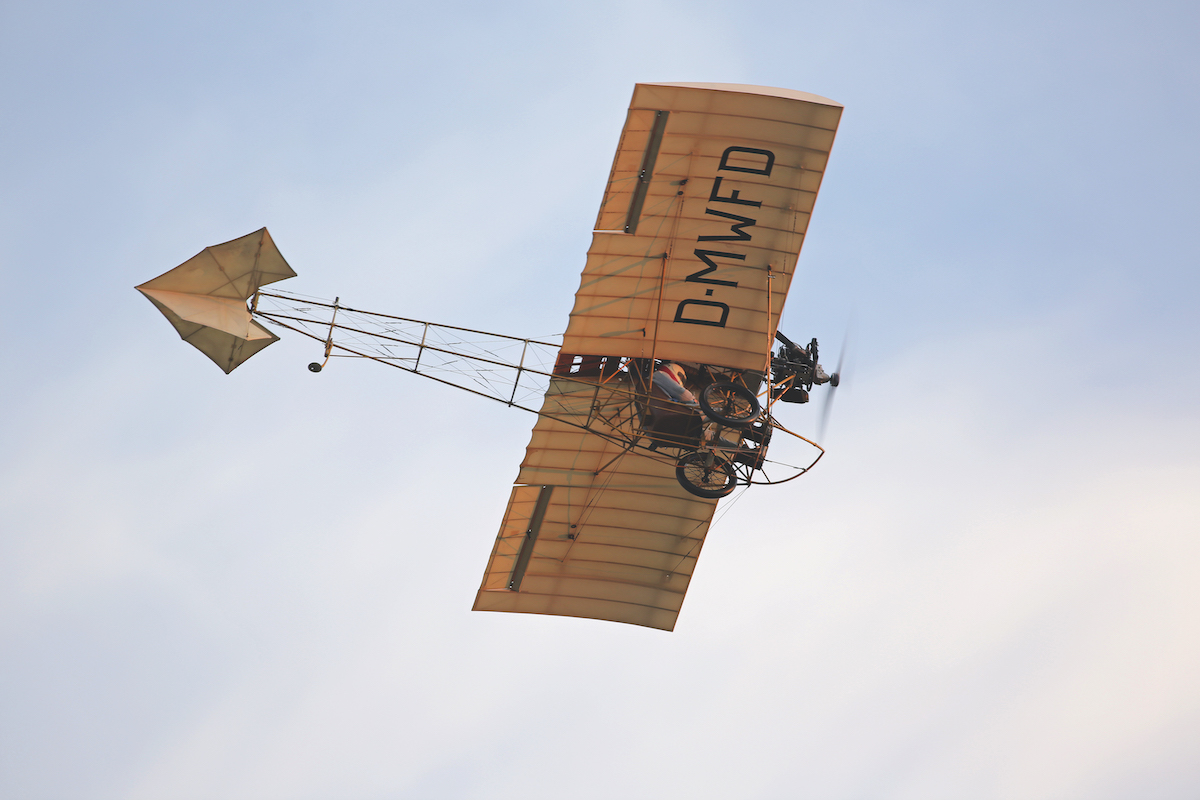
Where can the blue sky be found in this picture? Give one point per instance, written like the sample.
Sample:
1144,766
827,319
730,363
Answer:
257,585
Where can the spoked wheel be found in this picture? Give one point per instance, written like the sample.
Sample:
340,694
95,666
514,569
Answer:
706,474
730,404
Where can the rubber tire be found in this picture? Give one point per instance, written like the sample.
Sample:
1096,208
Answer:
717,398
696,461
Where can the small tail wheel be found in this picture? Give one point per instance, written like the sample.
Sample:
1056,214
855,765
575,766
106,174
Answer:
706,474
730,404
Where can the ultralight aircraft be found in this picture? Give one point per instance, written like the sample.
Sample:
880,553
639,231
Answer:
660,397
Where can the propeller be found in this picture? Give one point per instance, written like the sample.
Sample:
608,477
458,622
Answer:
835,380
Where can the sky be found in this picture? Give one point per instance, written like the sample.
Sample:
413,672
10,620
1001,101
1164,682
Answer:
258,585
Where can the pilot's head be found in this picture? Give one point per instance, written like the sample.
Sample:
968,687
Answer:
675,370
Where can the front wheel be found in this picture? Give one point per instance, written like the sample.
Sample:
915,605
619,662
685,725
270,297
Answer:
730,404
706,474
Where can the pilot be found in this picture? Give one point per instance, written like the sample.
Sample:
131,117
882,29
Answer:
670,377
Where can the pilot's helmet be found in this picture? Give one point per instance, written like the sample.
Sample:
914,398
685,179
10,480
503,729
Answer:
675,370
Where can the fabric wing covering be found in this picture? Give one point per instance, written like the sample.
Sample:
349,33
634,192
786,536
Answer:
617,545
695,246
204,298
683,254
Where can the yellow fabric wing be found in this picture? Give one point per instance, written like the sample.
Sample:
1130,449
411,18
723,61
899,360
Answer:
695,246
617,543
706,207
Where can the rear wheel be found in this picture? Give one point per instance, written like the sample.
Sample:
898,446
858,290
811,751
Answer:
706,474
730,404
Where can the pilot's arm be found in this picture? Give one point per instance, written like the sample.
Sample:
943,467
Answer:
673,389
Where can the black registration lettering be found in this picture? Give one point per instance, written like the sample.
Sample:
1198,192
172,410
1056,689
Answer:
706,319
764,170
703,255
716,196
737,229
